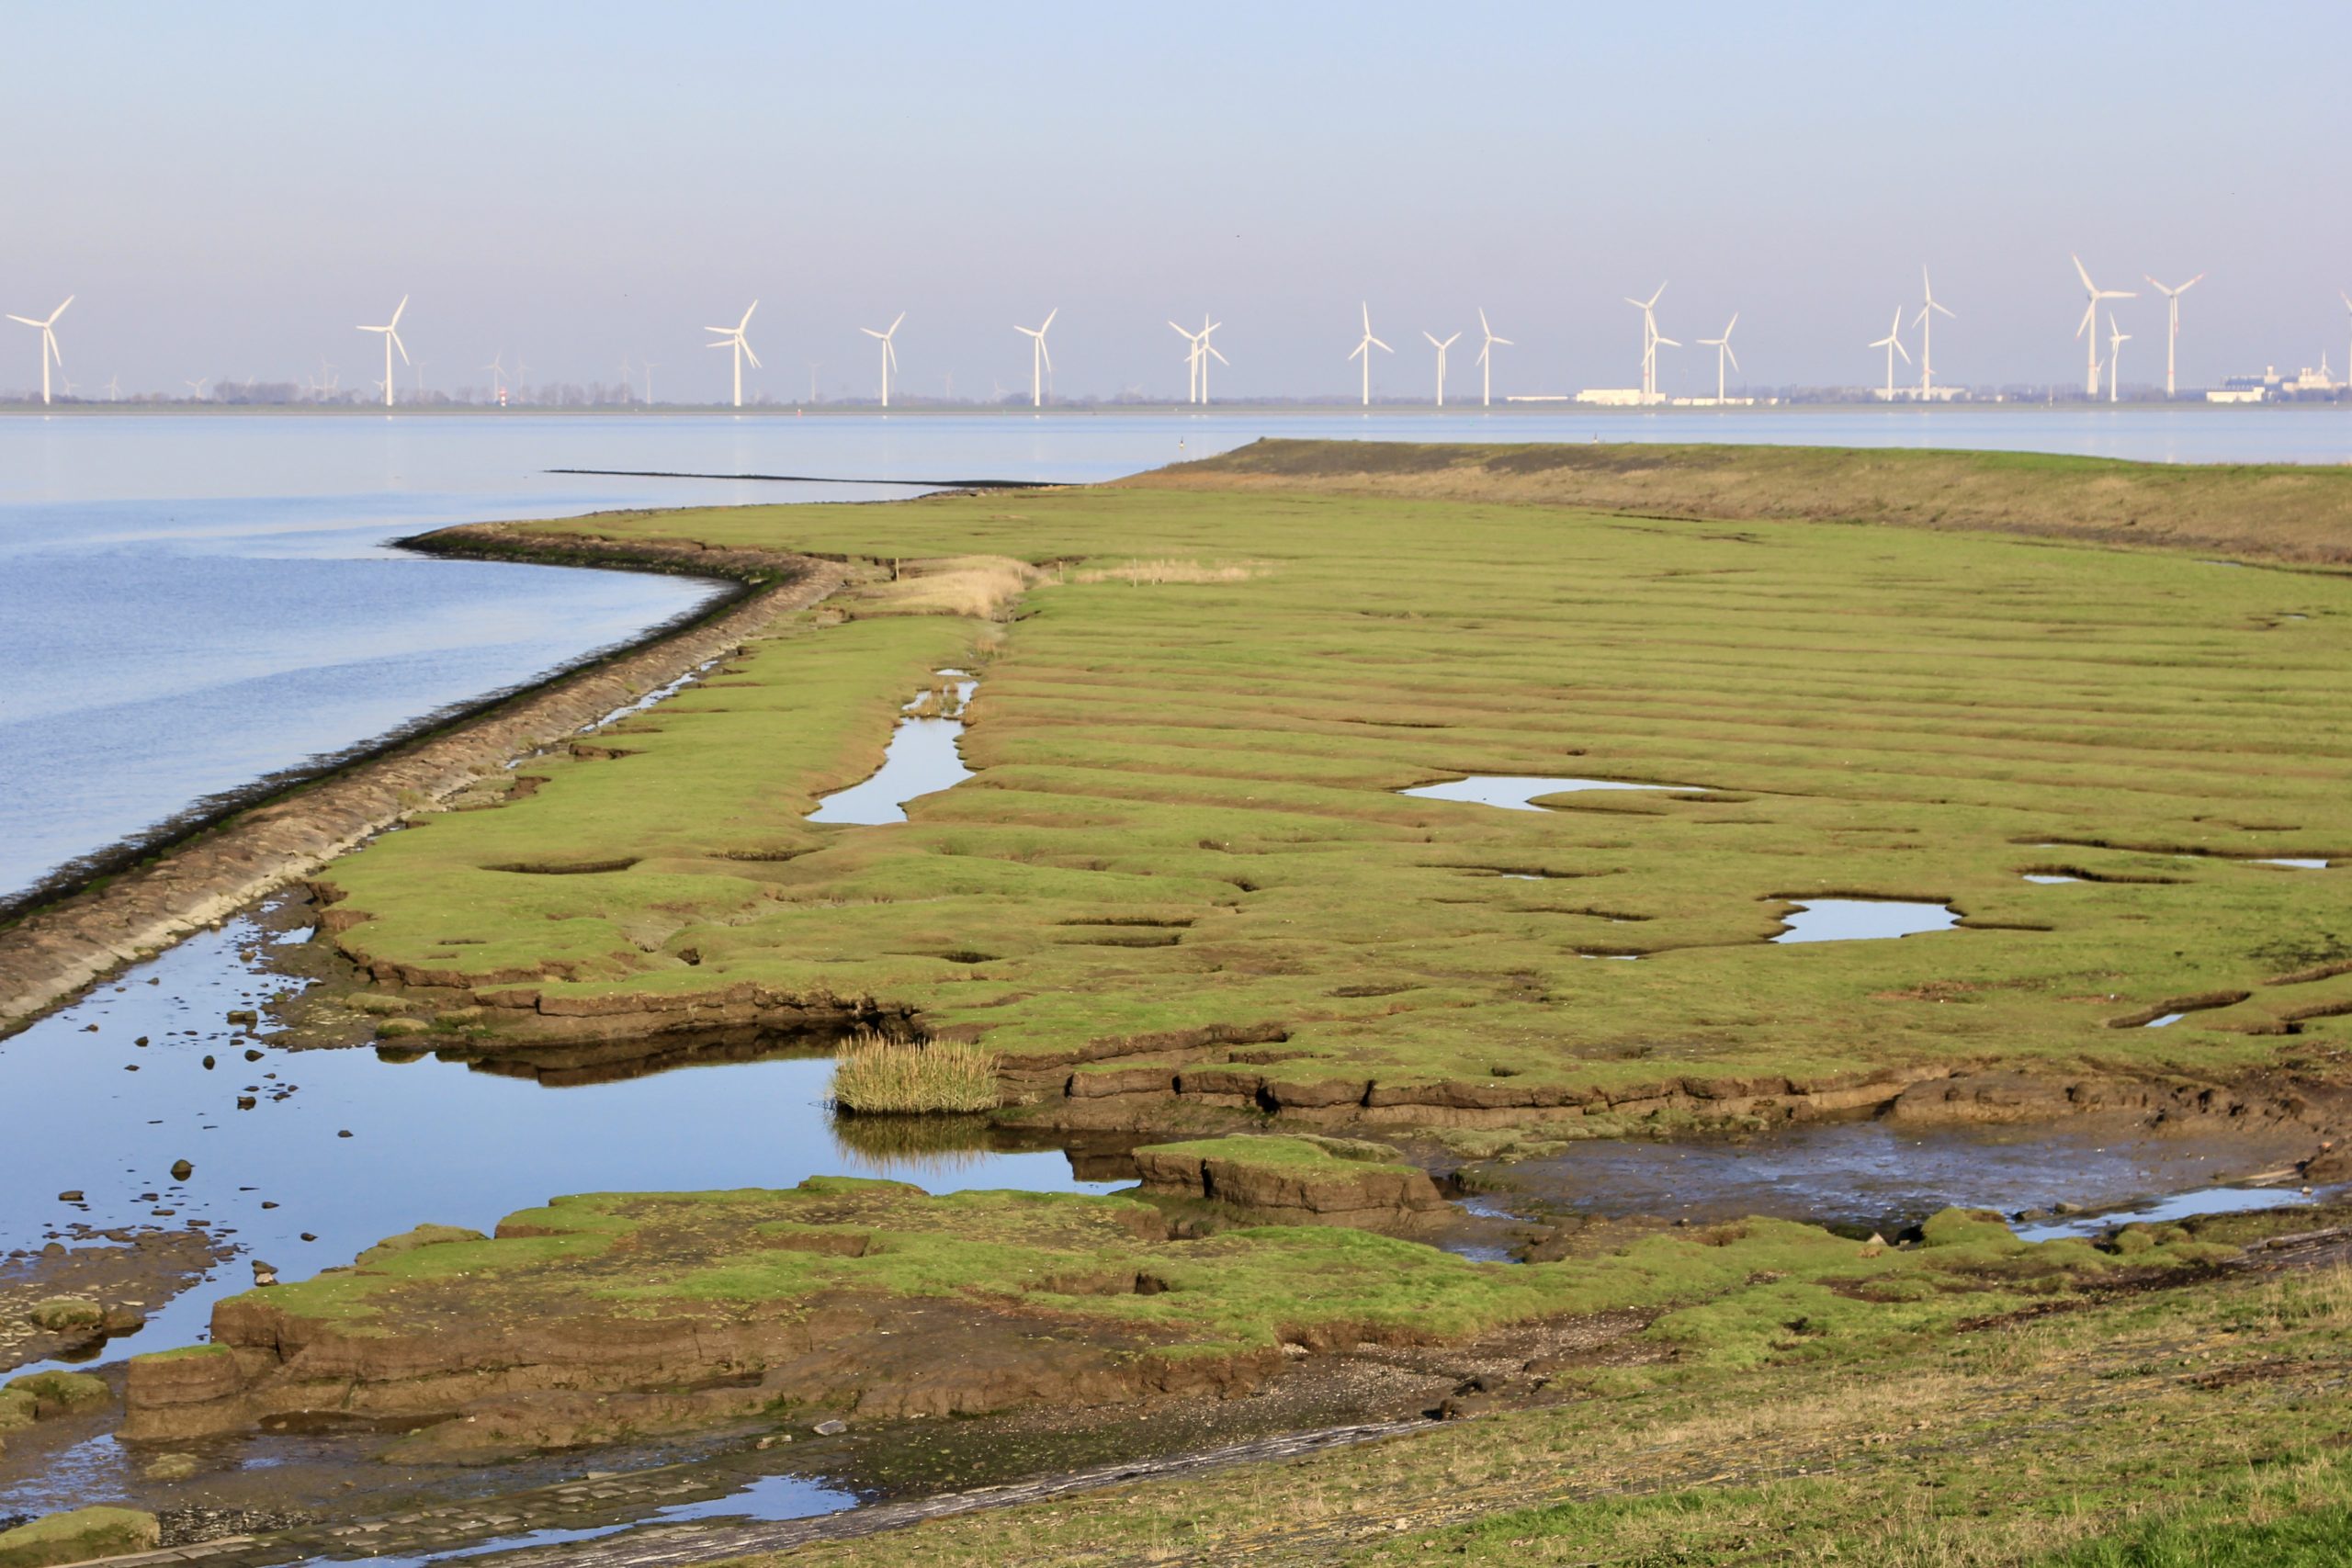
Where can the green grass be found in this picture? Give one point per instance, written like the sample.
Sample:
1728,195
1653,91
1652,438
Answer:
874,1074
2191,1427
1185,815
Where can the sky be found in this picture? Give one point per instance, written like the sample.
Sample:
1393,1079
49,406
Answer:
228,190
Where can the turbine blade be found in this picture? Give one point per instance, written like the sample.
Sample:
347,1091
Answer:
28,321
1506,342
1482,322
1731,354
1382,346
2083,273
59,311
1358,348
399,344
1221,359
396,313
2090,317
1048,354
894,325
746,316
750,356
1432,337
1049,320
1903,350
870,331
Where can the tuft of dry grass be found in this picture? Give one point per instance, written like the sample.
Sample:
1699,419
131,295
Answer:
1141,574
982,587
874,1074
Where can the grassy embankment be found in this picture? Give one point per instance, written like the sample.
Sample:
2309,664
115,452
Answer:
2197,1428
1185,812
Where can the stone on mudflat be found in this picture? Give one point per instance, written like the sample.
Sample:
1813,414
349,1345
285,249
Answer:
79,1536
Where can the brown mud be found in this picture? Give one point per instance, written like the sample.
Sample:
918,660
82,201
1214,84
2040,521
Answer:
122,1274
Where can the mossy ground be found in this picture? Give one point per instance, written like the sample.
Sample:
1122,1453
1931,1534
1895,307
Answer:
1185,810
2193,1427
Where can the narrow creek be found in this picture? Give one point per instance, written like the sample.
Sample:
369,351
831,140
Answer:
924,756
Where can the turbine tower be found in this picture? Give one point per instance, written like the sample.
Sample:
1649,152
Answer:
1650,341
1487,360
1365,348
2088,330
1721,346
889,353
46,326
2172,321
732,337
1039,361
1892,344
391,330
1192,364
1441,348
2116,338
1209,351
1928,309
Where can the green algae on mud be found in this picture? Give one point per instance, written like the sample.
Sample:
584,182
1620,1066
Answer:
612,1316
1183,869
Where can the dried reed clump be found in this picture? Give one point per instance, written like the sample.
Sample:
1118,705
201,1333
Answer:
1142,572
981,586
875,1074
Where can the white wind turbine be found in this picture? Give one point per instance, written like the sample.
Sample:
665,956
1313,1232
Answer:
2116,338
391,330
2088,330
2172,321
1892,344
732,337
1365,348
1721,346
196,388
46,326
1487,360
1930,307
1209,351
113,389
497,368
889,353
1441,348
1192,362
1651,340
1039,360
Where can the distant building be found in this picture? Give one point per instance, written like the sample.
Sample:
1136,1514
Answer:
1618,396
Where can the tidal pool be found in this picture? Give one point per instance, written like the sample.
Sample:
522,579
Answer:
2300,865
427,1139
922,759
2047,880
1864,919
1516,791
1871,1175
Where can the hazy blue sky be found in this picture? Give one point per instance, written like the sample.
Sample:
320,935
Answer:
229,188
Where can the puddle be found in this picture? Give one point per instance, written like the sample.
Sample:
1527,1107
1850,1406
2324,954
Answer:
1516,791
767,1498
2297,864
1867,1176
2162,1211
2165,1021
922,759
1864,919
429,1139
2049,881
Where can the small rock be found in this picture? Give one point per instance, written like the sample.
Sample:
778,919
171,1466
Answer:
269,1203
344,1134
172,1467
207,1064
252,1055
308,1237
830,1428
70,1195
182,1170
141,1040
247,1102
244,1015
265,1273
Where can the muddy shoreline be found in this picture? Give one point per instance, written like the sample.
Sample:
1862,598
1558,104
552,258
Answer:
216,866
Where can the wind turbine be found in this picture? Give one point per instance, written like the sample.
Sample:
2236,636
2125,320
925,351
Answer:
1441,348
1209,351
647,369
889,353
2116,338
497,368
1039,360
1930,307
1192,364
47,343
1651,341
2089,327
2172,319
1487,360
1365,348
732,337
197,387
1721,346
113,389
1892,344
391,330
